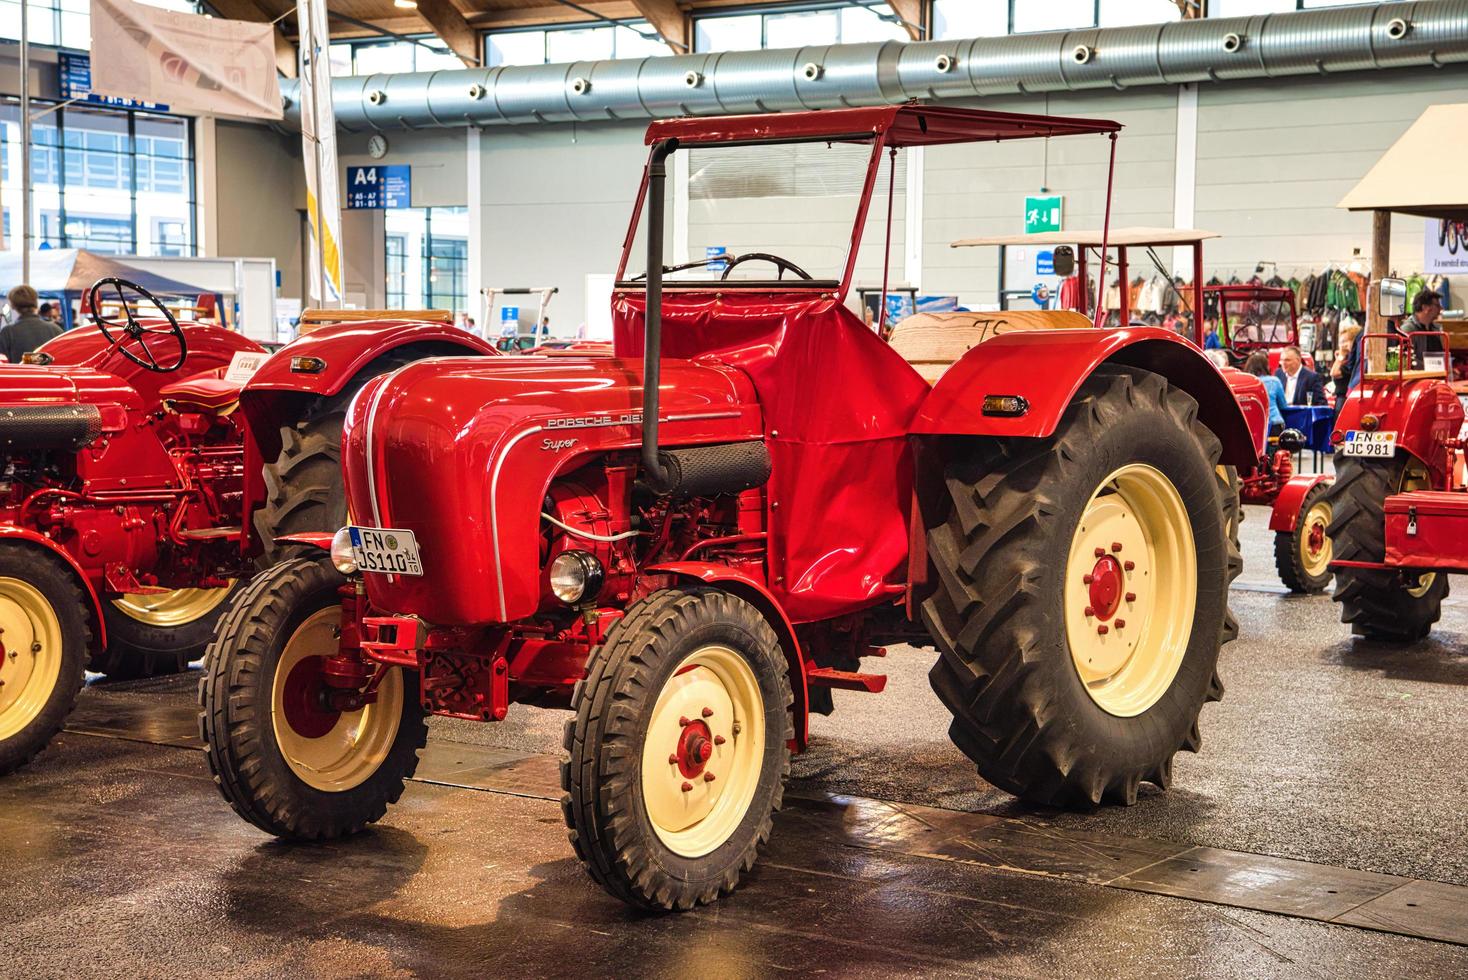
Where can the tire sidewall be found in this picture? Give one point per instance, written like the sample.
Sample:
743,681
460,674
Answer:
1151,436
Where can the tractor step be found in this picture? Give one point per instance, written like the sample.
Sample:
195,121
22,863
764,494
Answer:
211,533
845,680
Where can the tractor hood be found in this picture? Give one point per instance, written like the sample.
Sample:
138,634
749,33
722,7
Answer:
461,450
60,408
24,384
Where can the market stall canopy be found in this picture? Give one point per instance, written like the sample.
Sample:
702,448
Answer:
1423,172
71,271
1129,237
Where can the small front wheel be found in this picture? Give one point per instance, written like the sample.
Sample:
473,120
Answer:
679,749
284,760
1302,556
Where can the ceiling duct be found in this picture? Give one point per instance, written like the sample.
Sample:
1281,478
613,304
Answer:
1325,41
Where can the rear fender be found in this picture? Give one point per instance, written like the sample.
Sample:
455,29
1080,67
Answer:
1425,414
758,596
313,539
1047,368
1286,513
31,539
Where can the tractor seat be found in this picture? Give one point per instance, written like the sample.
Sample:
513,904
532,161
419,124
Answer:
206,392
931,342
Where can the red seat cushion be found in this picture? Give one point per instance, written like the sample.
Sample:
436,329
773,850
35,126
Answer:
207,392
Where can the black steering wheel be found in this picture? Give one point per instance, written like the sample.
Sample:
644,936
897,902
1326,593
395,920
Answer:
779,263
133,333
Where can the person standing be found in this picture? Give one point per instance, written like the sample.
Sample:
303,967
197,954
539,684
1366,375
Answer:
29,330
1302,386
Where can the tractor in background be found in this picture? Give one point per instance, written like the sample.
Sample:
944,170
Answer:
691,543
147,468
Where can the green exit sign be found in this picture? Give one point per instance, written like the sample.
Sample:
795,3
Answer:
1043,213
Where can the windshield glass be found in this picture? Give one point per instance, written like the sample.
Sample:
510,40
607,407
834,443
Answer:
1254,322
759,213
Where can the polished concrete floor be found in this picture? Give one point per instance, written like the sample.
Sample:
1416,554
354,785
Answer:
1329,791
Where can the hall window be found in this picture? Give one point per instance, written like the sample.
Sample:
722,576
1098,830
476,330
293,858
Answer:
847,22
372,57
597,41
426,254
108,180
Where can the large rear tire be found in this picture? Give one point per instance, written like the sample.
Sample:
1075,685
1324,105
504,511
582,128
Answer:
303,486
679,749
43,651
1380,604
150,635
282,760
1081,595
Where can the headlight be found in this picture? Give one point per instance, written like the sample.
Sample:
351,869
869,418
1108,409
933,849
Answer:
575,576
341,552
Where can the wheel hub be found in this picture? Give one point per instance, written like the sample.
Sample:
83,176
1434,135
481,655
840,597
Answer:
695,749
1106,587
305,701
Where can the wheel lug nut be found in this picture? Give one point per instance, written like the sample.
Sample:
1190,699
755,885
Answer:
1087,579
1121,624
1131,597
684,722
708,777
687,787
1115,546
1102,630
673,758
35,648
1089,611
718,740
1128,565
708,712
1100,552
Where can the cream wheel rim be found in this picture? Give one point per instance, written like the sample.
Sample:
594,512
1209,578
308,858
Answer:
30,654
1315,549
703,752
1130,591
167,610
328,750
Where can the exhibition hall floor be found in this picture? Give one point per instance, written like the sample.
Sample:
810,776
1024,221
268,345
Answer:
1319,833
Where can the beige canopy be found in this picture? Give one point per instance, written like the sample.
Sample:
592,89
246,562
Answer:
1424,173
1130,237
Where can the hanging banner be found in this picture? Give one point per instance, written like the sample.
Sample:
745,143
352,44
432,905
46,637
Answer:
186,61
318,146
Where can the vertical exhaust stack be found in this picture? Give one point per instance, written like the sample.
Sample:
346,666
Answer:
659,475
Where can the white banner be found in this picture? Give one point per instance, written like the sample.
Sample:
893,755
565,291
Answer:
186,61
1446,248
318,146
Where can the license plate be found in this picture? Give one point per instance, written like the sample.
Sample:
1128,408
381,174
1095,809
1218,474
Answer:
387,550
1378,445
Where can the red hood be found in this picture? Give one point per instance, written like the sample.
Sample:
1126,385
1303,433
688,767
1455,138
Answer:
461,451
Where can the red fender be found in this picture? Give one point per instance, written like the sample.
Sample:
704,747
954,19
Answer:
1286,513
10,532
313,539
347,348
758,596
1047,367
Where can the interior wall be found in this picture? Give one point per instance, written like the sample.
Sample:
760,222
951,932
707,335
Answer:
260,190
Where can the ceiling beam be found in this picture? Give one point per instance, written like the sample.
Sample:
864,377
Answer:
452,29
251,10
910,12
670,23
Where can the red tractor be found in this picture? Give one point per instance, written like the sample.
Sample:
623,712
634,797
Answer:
1399,503
692,542
133,459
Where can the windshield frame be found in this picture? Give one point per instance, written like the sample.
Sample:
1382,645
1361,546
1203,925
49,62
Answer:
841,288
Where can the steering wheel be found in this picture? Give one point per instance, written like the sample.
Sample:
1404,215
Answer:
131,332
779,263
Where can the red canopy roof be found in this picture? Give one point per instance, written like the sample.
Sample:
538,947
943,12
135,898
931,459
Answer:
904,125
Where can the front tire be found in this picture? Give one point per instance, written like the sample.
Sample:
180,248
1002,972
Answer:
1302,556
43,651
1081,595
679,750
281,759
151,635
1385,604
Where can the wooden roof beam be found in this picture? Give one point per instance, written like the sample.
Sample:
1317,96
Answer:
452,29
670,23
910,12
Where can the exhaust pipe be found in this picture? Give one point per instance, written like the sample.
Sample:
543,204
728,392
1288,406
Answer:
659,475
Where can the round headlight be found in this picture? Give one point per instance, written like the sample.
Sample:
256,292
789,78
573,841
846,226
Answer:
575,576
341,552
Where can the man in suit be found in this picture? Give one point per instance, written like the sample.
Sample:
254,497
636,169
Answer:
1302,385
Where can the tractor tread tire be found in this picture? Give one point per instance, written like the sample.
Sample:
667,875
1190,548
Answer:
601,771
1287,559
71,607
235,713
136,650
1375,603
1020,712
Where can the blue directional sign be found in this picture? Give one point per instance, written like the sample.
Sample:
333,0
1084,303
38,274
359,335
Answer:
74,79
378,187
1045,263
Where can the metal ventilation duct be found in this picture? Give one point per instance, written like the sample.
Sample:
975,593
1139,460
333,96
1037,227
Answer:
1326,41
